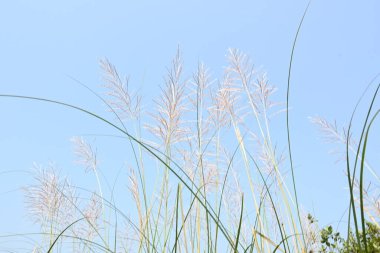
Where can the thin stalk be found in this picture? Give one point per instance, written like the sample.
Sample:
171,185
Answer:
287,119
239,228
361,183
176,220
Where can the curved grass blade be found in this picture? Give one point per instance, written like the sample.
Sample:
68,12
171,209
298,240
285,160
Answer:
123,215
287,118
351,179
268,239
129,139
271,200
207,206
285,239
223,187
186,216
105,249
361,182
60,234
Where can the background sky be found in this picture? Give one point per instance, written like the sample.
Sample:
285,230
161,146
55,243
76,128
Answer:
43,42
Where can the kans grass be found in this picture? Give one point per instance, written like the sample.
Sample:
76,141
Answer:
201,136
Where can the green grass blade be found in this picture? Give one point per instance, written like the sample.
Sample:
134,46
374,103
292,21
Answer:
361,182
176,220
271,200
95,244
207,206
60,234
287,118
282,241
350,185
239,228
186,216
222,192
351,179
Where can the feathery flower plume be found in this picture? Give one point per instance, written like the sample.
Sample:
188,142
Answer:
125,103
85,154
52,200
92,213
170,106
330,131
134,189
226,101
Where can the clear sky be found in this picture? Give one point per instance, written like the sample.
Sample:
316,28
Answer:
44,42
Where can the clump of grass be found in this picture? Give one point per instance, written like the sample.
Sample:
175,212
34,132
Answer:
198,137
207,212
221,183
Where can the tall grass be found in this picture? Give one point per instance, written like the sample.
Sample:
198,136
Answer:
204,139
221,186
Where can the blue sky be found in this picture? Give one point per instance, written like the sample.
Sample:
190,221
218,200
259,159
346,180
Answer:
44,42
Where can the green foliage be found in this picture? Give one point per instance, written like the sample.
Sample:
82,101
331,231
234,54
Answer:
332,242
